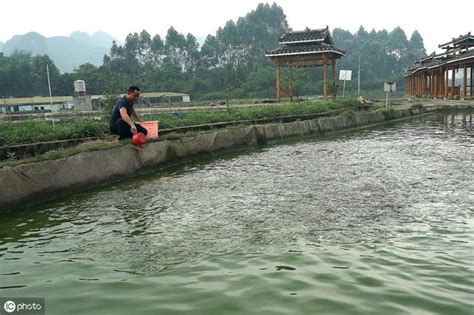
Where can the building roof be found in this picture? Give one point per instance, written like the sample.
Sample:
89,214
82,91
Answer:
307,36
457,50
433,61
305,42
462,40
289,50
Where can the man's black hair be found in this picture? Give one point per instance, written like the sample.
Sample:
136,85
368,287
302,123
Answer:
133,88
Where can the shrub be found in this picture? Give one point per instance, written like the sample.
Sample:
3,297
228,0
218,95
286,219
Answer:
388,112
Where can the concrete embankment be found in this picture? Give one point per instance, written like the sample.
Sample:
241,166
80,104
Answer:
31,183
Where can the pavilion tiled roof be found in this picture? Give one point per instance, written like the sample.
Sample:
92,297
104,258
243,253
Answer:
459,41
306,36
435,61
304,43
288,50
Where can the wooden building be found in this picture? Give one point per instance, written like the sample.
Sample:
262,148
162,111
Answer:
445,75
306,48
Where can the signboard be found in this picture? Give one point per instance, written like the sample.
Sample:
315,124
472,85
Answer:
389,87
345,75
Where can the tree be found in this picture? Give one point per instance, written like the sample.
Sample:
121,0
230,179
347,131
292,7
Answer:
40,78
175,47
416,48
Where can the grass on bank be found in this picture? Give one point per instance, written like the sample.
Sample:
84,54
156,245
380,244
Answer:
33,131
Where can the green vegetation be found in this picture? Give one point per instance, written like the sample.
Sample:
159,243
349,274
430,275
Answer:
416,106
261,112
31,131
388,112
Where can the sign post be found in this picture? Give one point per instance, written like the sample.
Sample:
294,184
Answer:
344,75
389,87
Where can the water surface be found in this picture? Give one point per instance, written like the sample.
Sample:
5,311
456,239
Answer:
375,221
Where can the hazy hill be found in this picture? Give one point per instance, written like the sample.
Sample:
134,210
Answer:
66,52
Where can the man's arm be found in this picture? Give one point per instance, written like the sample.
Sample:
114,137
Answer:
128,120
135,114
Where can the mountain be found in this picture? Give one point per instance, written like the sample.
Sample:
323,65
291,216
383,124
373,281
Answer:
66,52
1,47
100,39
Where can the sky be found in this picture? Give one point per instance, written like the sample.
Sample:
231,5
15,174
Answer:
433,21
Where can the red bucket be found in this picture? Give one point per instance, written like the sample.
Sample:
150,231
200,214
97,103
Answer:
139,139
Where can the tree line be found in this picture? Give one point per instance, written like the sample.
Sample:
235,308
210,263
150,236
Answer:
230,64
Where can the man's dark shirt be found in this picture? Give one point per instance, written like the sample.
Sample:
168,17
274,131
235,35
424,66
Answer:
116,111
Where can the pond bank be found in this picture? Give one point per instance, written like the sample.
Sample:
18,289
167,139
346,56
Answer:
46,180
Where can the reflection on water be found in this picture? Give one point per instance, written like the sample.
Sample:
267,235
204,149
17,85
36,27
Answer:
368,222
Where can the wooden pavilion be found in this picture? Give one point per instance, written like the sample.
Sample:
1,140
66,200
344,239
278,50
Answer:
306,48
435,75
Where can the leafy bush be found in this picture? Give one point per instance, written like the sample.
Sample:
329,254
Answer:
388,112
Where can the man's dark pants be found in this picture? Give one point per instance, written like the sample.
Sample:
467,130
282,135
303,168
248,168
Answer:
122,129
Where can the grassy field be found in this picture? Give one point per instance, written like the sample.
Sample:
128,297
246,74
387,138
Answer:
33,131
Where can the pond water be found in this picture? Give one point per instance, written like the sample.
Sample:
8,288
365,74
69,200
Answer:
374,221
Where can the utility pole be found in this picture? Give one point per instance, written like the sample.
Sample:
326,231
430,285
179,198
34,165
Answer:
358,78
49,85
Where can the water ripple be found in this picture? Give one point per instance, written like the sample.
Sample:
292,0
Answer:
374,221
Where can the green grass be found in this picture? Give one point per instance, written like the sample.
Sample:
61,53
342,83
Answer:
172,120
416,106
388,112
34,131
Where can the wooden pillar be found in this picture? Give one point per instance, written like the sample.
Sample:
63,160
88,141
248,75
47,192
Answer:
471,78
333,75
432,84
464,81
324,78
453,79
446,82
278,79
422,83
427,84
430,87
414,85
440,82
